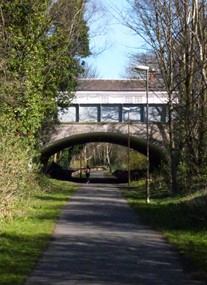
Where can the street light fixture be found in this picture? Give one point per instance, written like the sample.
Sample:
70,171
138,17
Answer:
146,69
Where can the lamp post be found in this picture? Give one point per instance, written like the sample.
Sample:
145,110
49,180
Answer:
128,122
146,69
128,152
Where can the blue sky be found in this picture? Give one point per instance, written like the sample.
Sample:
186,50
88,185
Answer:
116,42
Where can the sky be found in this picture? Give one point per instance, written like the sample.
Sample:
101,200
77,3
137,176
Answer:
111,42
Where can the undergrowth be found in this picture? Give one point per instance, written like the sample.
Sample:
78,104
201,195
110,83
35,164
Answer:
18,173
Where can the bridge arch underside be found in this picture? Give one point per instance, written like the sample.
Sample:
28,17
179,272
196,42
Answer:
156,153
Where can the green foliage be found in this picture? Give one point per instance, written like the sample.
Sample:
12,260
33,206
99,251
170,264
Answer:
68,154
182,177
137,160
17,172
24,63
120,158
40,44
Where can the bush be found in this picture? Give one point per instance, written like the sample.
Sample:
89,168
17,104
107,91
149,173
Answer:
18,174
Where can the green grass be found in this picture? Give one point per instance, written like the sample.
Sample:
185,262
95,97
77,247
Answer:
182,219
23,237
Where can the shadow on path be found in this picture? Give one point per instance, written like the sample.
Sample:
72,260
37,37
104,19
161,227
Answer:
96,180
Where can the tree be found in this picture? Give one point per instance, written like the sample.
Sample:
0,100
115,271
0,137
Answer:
176,33
41,44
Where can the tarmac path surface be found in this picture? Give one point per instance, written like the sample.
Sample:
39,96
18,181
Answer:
99,240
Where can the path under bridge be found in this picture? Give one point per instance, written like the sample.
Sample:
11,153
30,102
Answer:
133,136
113,111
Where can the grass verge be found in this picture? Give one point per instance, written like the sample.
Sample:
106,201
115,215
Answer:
23,237
182,219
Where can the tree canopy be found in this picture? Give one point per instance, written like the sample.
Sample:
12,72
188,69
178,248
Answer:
41,44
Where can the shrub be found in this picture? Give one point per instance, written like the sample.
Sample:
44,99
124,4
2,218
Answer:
18,174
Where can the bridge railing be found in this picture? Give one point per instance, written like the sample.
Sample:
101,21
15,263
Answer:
83,170
113,113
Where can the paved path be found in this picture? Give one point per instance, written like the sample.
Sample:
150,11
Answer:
99,240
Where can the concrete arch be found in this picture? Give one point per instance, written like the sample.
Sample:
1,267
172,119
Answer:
139,144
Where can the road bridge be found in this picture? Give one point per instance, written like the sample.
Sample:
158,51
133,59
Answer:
112,111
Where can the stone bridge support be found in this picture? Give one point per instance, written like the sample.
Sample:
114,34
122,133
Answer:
66,135
157,131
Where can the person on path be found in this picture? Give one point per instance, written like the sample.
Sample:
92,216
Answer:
88,171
